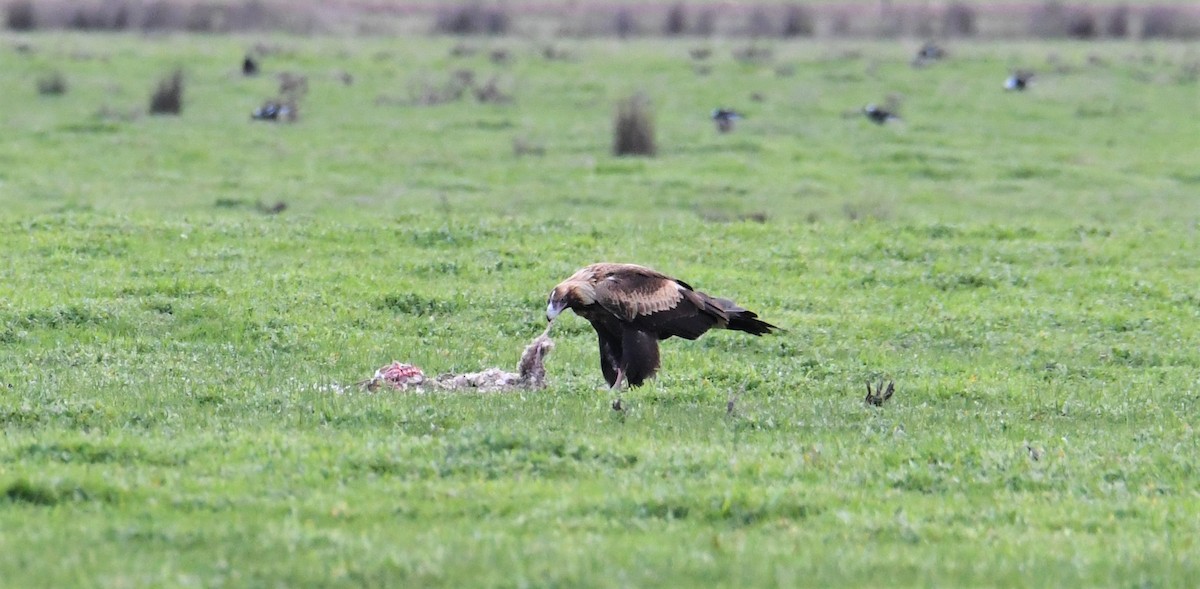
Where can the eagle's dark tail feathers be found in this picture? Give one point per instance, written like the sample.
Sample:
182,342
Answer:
742,320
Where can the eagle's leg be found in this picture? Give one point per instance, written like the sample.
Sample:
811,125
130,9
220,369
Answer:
616,385
616,388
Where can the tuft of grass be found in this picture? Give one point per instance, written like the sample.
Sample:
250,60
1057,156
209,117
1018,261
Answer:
492,92
293,86
52,84
167,98
633,127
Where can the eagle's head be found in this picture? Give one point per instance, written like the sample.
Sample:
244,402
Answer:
573,292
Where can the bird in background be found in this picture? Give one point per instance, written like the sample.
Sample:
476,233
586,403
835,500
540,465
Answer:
879,115
274,110
883,114
928,53
724,118
249,66
1018,81
633,307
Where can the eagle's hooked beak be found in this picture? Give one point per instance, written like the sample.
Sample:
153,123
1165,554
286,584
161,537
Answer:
553,308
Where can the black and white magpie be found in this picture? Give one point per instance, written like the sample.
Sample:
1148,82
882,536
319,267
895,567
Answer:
724,118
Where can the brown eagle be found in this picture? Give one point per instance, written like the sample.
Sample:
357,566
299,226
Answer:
632,307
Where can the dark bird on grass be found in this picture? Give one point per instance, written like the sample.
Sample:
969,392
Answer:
879,115
249,66
632,307
273,110
928,53
724,117
1019,80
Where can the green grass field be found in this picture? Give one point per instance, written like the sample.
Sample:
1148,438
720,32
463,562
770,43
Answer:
1023,266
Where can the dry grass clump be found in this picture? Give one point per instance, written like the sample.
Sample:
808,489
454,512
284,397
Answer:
500,56
293,86
491,92
52,84
633,127
168,96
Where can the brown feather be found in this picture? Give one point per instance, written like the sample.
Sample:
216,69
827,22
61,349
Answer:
629,291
